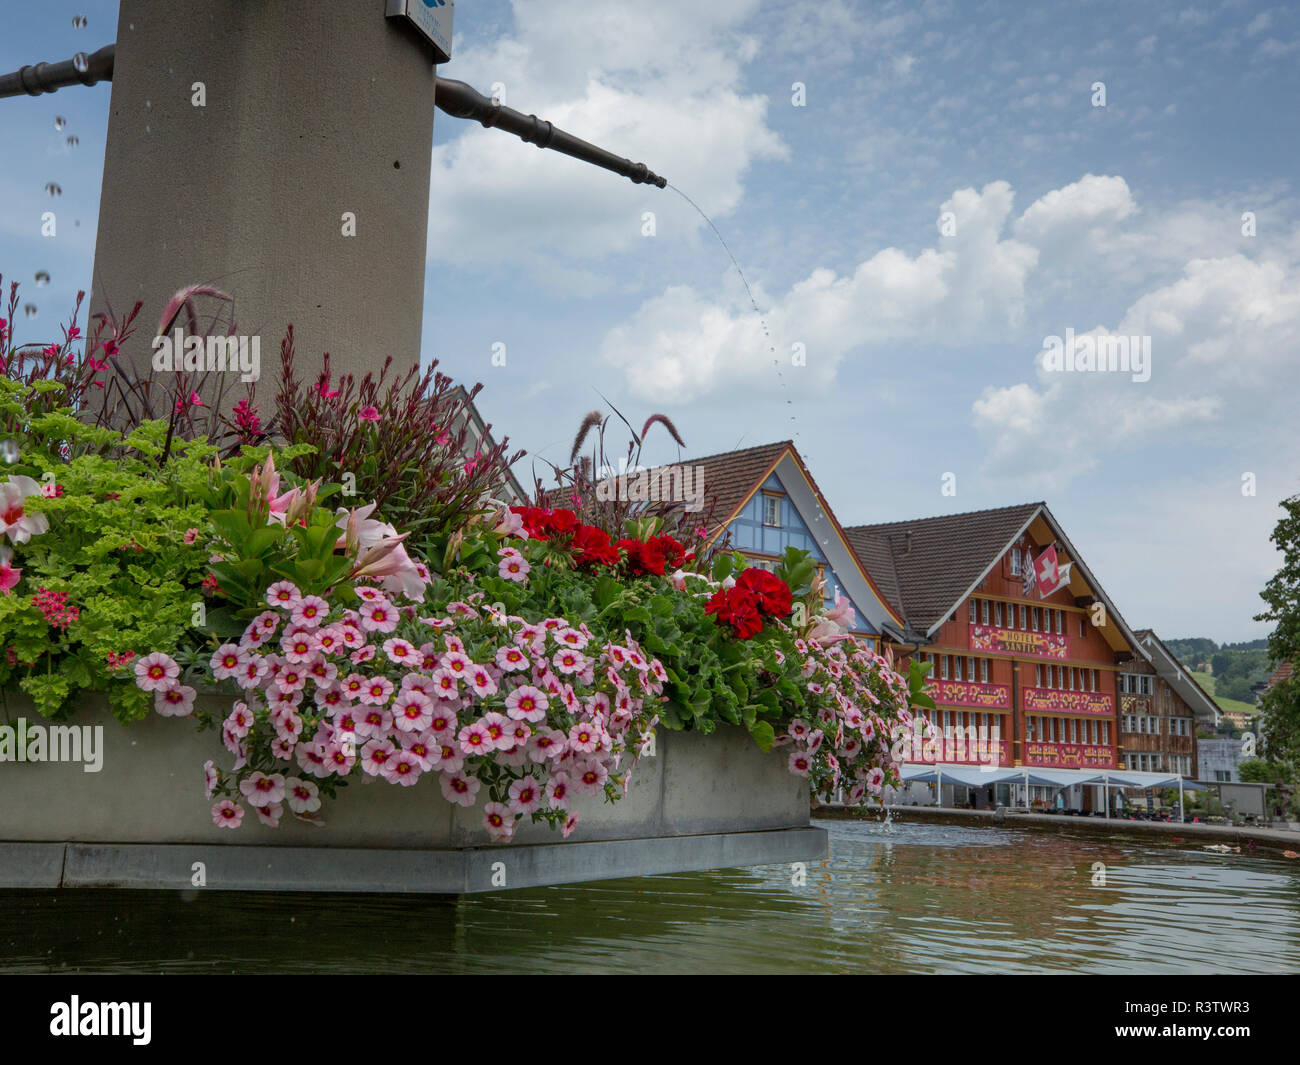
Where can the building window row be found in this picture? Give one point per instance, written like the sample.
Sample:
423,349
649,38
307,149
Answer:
1067,678
1024,617
1136,683
1143,725
958,667
1160,763
1067,730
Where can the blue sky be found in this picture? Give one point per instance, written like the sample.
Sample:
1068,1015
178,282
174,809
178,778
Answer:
923,347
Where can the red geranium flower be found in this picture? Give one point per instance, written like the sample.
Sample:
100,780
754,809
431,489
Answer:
593,547
770,592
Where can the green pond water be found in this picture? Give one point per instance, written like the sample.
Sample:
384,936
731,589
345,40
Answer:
907,898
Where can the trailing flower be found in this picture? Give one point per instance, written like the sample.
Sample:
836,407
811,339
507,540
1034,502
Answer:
522,715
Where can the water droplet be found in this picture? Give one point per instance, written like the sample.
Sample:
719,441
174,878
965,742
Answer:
29,309
9,451
72,140
79,22
81,62
53,189
42,278
60,121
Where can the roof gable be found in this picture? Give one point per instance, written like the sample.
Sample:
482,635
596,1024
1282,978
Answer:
927,566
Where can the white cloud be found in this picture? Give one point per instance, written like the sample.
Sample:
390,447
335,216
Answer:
657,83
683,345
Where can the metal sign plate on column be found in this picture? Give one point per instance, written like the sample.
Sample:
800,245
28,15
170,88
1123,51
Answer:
431,17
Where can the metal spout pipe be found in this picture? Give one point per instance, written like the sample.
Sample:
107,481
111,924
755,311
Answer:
47,77
463,101
453,97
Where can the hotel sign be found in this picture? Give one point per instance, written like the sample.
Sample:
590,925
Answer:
1016,642
959,693
1051,700
1068,755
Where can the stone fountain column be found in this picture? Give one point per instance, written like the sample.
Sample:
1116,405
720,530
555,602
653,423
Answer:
242,139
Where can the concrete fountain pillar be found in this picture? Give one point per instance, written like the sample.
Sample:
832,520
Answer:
279,152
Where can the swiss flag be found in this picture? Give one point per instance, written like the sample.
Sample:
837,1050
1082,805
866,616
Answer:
1051,575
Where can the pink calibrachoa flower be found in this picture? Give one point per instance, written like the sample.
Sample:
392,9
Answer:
481,682
361,654
590,778
499,821
283,594
424,748
375,755
511,659
513,568
412,712
403,768
227,814
497,725
369,594
269,815
240,720
527,704
584,737
474,738
557,791
261,789
156,672
400,651
800,763
547,743
310,611
525,796
569,662
451,760
374,721
445,684
298,648
875,779
570,823
442,722
191,536
227,660
459,788
379,617
176,700
376,691
209,778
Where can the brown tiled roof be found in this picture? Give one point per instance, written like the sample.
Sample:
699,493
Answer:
729,478
946,555
1281,673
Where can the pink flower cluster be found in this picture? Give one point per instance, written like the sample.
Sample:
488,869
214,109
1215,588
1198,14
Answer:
853,698
54,608
533,714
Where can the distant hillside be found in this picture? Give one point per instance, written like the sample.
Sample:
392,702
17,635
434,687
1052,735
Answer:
1209,683
1236,666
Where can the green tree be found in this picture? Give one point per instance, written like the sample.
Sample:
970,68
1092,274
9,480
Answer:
1282,594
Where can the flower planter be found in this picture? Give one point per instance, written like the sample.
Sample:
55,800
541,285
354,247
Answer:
142,821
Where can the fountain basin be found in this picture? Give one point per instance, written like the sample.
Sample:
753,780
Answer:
141,821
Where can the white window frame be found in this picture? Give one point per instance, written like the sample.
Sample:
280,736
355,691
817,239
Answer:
984,610
972,611
1015,562
774,503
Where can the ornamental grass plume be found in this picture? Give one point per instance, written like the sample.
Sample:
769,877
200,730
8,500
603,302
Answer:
578,485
